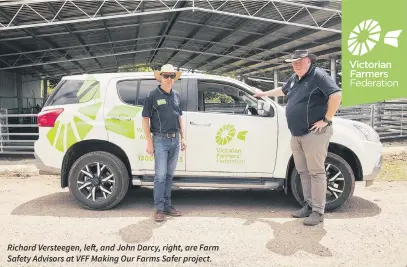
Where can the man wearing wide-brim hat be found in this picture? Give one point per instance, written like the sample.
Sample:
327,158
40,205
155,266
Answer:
164,131
313,98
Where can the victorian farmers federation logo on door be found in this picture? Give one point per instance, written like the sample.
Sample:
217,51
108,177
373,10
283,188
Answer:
224,136
227,132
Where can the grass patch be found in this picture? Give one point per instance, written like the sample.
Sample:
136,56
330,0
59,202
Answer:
394,167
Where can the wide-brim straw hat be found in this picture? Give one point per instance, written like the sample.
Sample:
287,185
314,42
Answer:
167,68
300,54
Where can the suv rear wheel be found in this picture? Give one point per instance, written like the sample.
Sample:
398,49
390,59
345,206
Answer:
340,183
98,180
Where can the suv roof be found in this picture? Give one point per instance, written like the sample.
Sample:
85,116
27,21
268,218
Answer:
110,75
150,75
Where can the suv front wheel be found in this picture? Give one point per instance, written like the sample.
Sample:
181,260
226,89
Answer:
98,180
340,183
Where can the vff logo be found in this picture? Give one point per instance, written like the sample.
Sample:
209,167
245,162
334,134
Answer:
366,35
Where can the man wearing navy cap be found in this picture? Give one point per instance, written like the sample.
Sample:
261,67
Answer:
313,98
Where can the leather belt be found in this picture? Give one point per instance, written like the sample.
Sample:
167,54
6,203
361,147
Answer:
167,135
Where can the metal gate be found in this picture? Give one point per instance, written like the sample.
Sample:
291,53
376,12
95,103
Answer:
18,132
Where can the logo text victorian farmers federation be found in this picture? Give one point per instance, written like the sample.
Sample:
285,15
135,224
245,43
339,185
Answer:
362,40
224,136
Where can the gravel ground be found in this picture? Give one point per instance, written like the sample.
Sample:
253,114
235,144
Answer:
239,228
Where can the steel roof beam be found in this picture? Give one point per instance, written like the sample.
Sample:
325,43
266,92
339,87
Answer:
193,33
251,39
323,41
48,55
40,69
75,72
166,30
109,36
83,16
139,30
80,40
321,55
30,33
223,35
279,54
117,54
110,28
126,50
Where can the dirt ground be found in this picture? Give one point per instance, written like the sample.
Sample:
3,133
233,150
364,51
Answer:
222,227
394,161
231,227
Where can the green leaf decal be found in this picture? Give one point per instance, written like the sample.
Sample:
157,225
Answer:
58,136
90,111
89,90
52,133
70,136
60,141
82,127
242,135
124,127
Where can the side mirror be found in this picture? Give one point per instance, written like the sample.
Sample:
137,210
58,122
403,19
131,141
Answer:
264,109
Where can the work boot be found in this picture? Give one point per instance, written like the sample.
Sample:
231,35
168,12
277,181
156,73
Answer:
304,212
172,212
159,216
314,219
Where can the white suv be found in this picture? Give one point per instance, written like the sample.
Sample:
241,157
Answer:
90,132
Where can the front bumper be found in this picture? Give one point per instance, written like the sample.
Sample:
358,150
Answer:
375,172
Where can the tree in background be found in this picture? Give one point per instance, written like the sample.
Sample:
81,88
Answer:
135,68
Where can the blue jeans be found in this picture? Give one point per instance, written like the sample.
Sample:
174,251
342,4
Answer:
166,152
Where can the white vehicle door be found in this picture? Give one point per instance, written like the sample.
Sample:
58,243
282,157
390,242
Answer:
123,112
225,134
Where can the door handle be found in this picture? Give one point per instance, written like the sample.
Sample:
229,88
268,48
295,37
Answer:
119,118
200,124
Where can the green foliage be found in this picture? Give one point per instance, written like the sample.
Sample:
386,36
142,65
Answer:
50,88
135,68
211,97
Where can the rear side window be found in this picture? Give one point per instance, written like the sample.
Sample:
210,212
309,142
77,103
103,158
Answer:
127,91
145,87
134,92
74,92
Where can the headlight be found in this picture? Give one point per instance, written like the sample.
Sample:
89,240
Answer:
368,132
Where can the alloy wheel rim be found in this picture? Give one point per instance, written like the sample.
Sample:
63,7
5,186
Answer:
96,181
335,182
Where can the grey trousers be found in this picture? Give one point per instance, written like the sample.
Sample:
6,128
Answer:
310,152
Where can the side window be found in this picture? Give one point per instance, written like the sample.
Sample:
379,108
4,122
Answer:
147,85
127,91
73,92
134,92
223,98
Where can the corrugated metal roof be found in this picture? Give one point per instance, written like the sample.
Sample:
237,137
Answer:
67,37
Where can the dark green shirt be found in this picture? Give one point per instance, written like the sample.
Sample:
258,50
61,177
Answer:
307,99
164,110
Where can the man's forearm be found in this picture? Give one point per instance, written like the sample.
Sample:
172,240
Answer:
181,128
274,92
333,105
146,128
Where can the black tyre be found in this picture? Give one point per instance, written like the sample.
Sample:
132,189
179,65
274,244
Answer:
98,180
340,183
